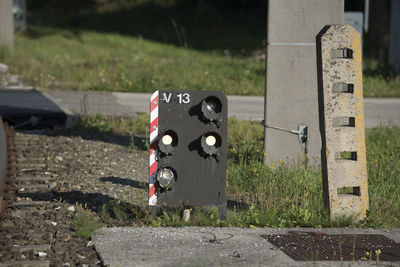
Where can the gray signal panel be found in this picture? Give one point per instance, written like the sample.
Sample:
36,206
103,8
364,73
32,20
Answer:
199,169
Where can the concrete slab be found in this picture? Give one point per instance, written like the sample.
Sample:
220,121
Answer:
208,246
381,112
91,102
378,111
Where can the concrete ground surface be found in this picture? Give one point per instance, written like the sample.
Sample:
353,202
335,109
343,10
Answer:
208,246
378,111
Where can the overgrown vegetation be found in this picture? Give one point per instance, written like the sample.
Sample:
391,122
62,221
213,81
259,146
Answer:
276,195
119,213
237,26
141,46
112,125
86,223
64,59
379,80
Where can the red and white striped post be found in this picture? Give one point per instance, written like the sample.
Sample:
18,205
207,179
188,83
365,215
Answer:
153,148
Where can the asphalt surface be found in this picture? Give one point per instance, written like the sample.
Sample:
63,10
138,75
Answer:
207,246
377,111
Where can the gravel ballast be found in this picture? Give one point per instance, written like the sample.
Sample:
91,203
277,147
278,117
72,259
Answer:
61,174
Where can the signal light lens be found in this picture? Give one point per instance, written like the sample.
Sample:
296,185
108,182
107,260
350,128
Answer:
211,108
166,178
168,142
211,140
167,139
210,143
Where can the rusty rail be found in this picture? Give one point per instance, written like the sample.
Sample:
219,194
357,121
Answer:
8,163
3,162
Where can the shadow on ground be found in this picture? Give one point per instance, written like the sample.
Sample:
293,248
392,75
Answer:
133,141
123,181
103,205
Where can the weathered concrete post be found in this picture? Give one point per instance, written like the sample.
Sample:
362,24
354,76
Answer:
344,164
6,23
291,95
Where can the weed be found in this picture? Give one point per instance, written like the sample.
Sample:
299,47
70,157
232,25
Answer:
180,33
122,213
377,253
344,221
4,52
132,143
86,224
172,218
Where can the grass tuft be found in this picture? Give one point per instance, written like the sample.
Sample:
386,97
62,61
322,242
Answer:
86,223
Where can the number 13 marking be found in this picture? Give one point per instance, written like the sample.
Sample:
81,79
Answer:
183,98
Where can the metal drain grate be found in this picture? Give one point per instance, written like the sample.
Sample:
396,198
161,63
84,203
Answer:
318,246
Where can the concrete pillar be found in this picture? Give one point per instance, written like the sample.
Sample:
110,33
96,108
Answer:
394,51
6,23
344,163
291,96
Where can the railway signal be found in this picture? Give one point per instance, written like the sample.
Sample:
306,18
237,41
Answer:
188,155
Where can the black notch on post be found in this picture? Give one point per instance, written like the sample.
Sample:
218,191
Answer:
344,122
343,88
342,53
349,190
346,155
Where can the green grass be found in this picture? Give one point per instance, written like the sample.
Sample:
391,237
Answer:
293,197
165,48
62,59
383,155
210,25
112,125
379,80
279,196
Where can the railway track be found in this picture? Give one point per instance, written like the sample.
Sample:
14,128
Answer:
34,226
7,165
